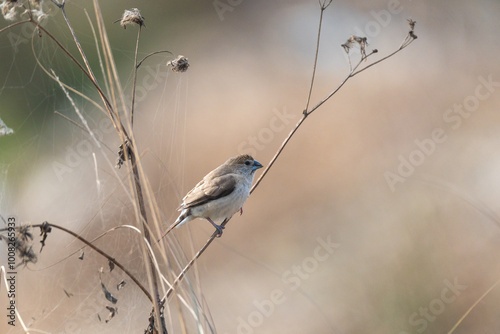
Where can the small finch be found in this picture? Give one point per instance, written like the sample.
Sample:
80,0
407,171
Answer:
220,194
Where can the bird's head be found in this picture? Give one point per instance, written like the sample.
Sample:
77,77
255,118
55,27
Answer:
244,163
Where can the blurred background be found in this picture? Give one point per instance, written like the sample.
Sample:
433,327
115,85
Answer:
380,216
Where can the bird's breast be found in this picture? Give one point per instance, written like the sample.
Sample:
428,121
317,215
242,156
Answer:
224,207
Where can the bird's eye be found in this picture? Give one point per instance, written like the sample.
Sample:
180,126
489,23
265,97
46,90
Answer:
247,163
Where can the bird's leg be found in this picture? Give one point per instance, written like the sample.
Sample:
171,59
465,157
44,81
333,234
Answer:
241,211
219,228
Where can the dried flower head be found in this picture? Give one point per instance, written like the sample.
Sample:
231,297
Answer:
24,233
25,253
24,249
411,23
122,157
353,40
179,64
9,9
131,16
45,229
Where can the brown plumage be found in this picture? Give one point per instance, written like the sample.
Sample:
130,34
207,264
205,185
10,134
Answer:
221,193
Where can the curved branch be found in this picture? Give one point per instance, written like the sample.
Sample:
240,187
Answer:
152,54
13,25
98,250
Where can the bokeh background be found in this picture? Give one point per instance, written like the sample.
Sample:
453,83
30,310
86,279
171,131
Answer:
410,255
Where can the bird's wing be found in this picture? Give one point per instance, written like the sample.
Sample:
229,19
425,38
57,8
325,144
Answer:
209,189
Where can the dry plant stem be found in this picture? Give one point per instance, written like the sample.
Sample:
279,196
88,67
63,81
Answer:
190,264
152,54
305,114
98,250
108,106
13,25
153,275
137,182
106,84
323,7
111,74
135,79
404,45
473,306
121,130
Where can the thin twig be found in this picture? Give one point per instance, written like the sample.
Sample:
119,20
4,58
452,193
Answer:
112,72
404,45
104,98
473,306
101,65
152,54
135,78
190,264
316,55
14,24
153,275
114,117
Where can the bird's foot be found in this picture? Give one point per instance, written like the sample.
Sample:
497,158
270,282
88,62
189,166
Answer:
219,228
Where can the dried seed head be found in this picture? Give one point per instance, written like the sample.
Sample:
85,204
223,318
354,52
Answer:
346,46
411,23
9,9
122,157
179,64
131,16
361,41
23,246
45,229
4,129
24,233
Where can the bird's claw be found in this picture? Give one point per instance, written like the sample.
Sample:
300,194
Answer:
220,229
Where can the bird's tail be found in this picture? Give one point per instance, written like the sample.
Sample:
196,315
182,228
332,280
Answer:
178,222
